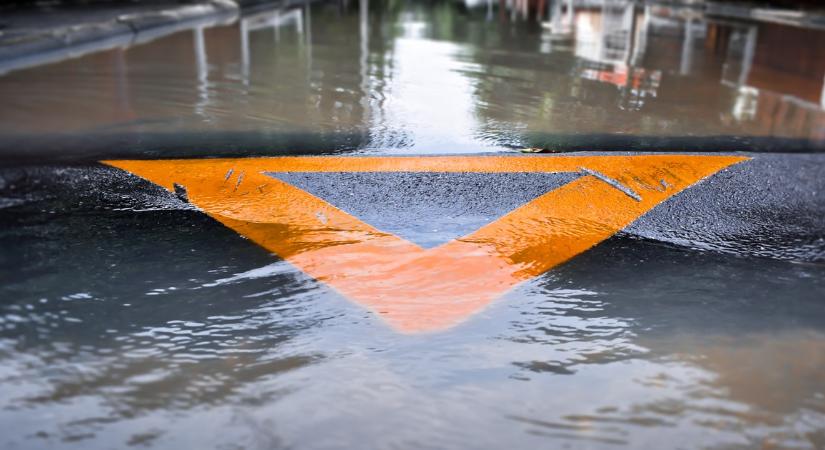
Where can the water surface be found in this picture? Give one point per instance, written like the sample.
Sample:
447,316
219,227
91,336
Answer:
430,78
129,318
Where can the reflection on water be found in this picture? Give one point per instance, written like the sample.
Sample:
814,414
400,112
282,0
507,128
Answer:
128,318
630,343
440,77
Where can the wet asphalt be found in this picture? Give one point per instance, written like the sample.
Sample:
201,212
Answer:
769,206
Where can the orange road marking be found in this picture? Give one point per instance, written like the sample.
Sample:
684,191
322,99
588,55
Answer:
418,290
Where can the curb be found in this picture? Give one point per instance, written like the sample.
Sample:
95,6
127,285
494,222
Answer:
26,49
779,16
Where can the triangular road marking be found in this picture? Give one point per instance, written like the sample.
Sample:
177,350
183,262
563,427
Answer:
413,289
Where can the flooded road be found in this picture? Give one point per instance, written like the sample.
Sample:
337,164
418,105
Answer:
195,316
391,77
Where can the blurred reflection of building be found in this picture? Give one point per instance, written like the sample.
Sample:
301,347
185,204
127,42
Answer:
779,74
776,71
609,44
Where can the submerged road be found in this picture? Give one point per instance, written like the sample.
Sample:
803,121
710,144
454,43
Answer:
211,238
126,290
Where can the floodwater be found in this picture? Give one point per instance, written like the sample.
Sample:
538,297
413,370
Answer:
130,318
442,78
